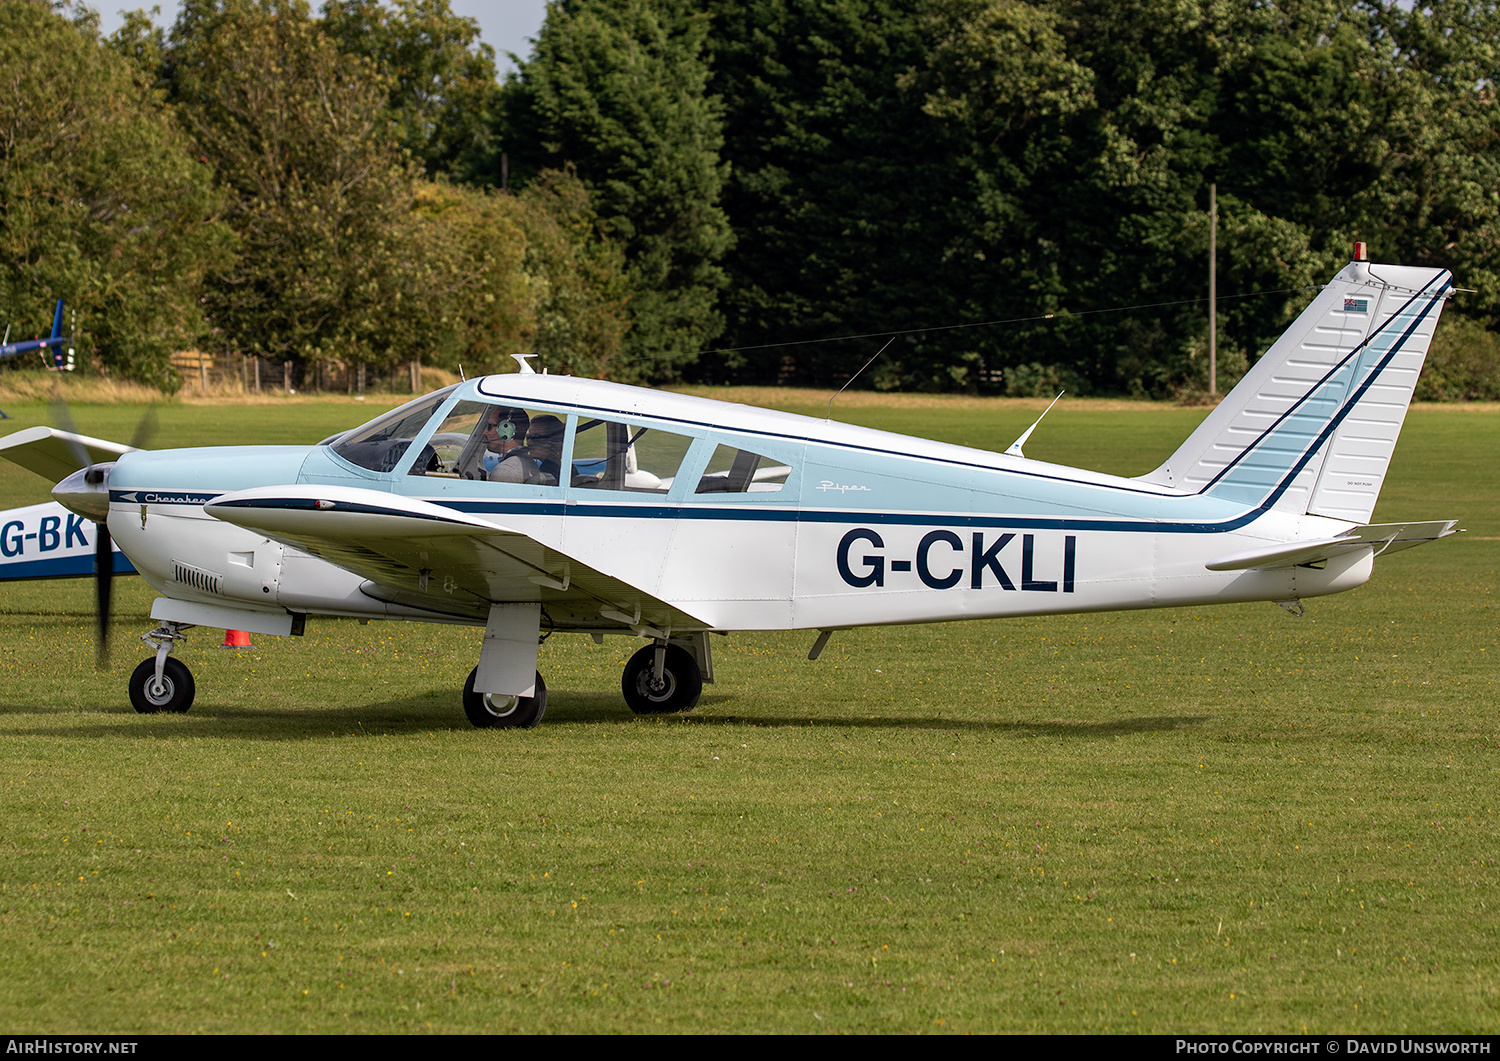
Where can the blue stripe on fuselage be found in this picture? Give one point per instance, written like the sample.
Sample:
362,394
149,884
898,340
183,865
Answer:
77,566
791,515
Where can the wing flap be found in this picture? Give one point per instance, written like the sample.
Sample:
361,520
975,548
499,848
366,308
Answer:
429,556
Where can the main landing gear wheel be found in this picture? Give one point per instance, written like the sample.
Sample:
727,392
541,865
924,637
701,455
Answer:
175,693
680,686
498,711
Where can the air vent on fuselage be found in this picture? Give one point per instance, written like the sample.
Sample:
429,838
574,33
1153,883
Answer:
188,575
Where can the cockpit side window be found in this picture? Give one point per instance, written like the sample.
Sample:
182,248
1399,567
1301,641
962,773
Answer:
612,455
380,444
501,444
738,471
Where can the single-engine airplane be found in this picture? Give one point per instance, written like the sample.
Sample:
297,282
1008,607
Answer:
528,504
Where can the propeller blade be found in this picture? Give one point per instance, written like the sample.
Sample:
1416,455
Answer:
104,573
64,419
146,429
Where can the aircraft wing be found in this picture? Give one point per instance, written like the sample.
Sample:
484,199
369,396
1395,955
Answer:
1385,537
53,454
428,556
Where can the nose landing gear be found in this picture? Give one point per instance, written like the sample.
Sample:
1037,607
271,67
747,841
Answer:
174,691
162,684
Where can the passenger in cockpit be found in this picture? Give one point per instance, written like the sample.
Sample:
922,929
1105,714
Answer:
544,442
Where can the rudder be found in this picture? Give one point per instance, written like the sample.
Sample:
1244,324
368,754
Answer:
1312,426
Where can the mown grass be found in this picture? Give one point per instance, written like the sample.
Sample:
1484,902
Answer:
1203,819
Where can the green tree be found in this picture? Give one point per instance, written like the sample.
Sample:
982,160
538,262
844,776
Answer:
901,163
841,195
444,93
618,89
580,288
465,292
1445,150
142,41
317,187
1084,131
101,201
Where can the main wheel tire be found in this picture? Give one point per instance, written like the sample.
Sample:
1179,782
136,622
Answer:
681,682
496,711
177,691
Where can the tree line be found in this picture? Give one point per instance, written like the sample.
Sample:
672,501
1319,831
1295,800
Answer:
725,190
259,180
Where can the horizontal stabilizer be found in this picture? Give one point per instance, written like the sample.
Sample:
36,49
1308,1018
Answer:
1384,537
54,454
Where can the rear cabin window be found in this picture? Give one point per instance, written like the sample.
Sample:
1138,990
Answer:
612,455
738,471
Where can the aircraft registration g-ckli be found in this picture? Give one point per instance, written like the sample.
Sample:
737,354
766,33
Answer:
529,504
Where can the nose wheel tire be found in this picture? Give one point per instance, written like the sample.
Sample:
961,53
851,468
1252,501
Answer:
498,711
680,686
175,693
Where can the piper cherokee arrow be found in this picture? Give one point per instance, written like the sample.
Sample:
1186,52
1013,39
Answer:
529,504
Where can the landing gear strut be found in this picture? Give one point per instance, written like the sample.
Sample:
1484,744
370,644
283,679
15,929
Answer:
498,711
162,684
662,679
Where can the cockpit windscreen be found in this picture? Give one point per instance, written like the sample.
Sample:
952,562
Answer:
380,444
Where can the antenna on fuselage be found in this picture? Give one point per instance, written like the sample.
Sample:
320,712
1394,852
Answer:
854,377
1015,447
520,359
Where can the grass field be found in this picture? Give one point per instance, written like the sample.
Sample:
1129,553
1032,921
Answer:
1193,820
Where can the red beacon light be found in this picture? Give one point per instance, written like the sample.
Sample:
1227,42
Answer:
1361,252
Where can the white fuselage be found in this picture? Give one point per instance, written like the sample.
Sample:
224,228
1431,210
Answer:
868,528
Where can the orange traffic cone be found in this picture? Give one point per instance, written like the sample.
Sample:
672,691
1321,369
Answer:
236,639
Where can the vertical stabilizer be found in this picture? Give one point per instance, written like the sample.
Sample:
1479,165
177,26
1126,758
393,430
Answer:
1311,428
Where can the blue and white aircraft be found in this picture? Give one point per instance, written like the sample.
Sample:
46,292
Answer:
529,504
48,541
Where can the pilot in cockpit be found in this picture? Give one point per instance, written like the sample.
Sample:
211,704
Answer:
509,459
538,462
504,432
